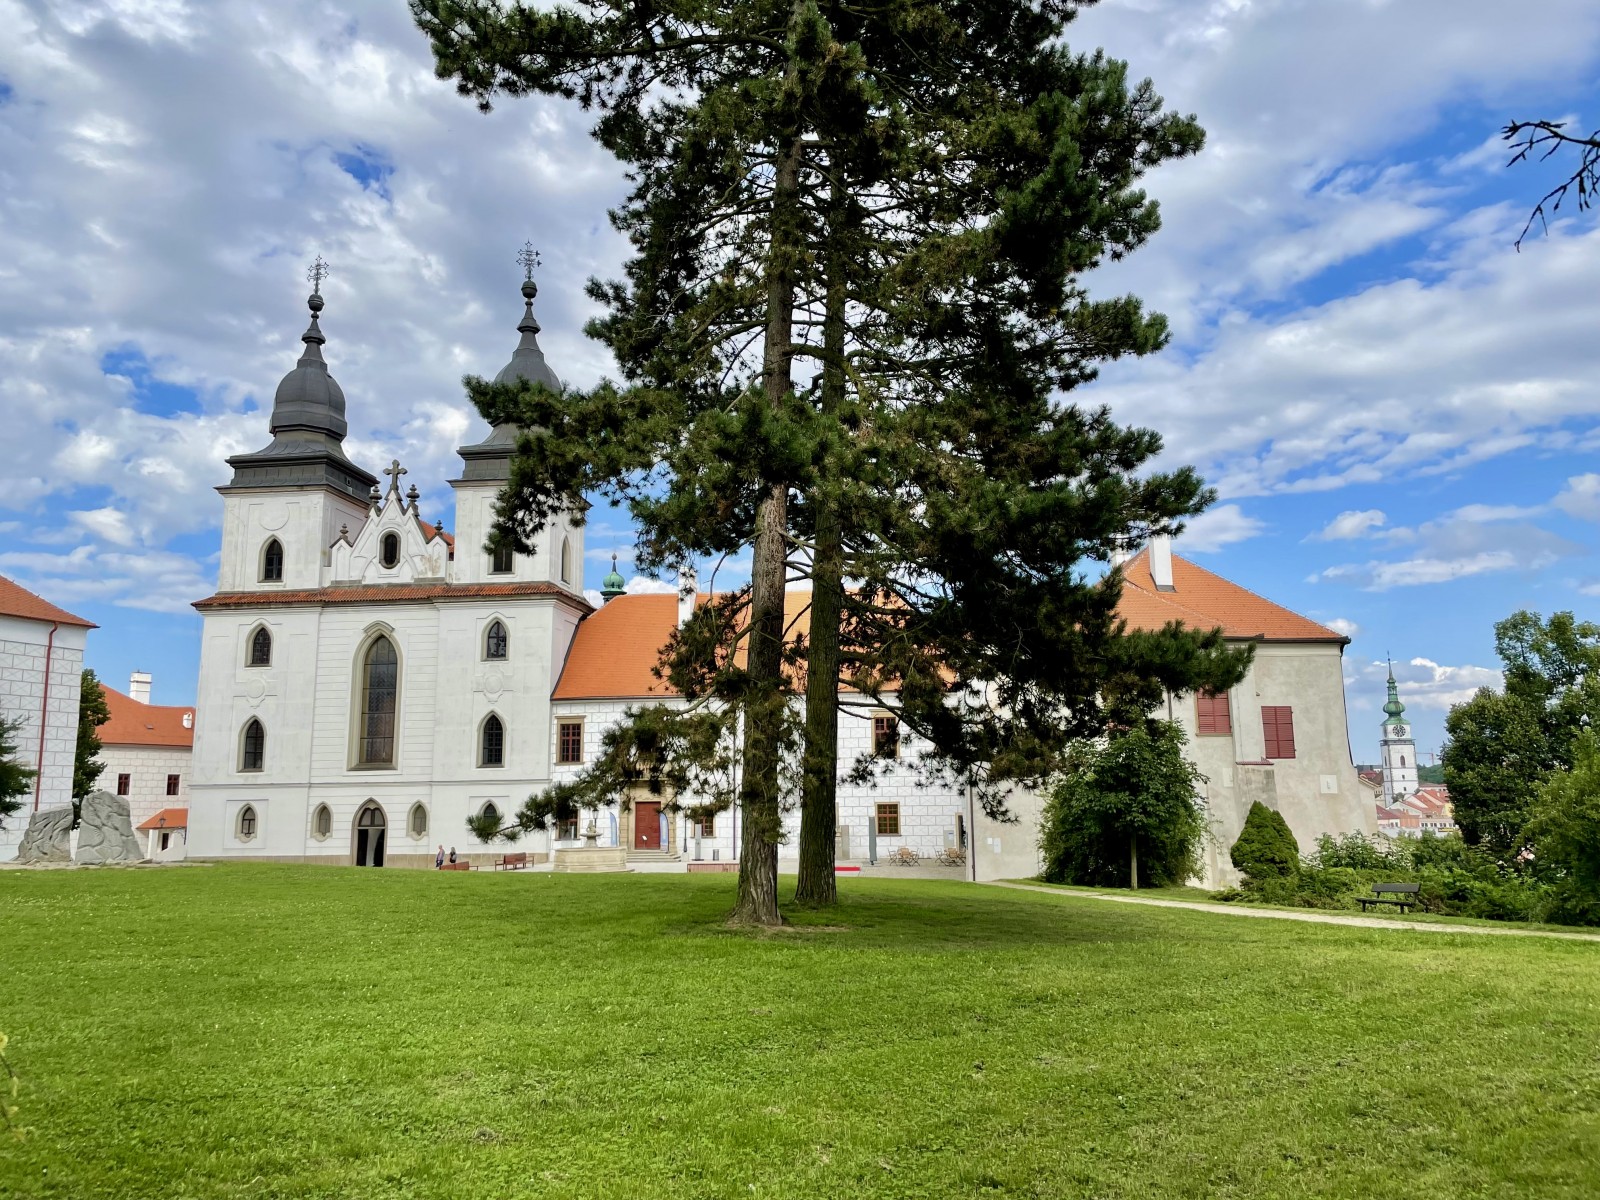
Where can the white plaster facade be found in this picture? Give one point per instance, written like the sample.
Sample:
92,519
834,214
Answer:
148,769
41,670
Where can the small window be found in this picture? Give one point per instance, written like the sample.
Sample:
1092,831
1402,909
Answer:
706,826
247,823
566,560
124,784
172,784
166,839
888,817
493,744
496,645
1402,760
419,821
569,742
322,822
253,751
390,553
567,828
261,648
886,737
1212,715
491,813
272,561
1277,729
501,560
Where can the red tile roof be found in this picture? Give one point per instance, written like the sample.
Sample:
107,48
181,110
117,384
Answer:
615,648
1202,600
18,601
174,818
135,724
395,593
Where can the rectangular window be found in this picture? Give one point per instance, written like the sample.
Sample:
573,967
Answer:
124,784
501,561
567,829
706,826
569,742
172,785
886,737
888,817
1212,715
1277,729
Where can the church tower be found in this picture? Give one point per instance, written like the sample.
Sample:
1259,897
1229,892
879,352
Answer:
558,553
286,503
1398,749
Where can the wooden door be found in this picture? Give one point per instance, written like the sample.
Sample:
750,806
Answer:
647,825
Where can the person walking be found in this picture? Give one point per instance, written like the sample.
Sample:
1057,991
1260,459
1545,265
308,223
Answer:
438,859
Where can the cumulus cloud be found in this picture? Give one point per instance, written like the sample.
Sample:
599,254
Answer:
1423,683
1217,527
1581,497
1340,625
1450,549
1348,525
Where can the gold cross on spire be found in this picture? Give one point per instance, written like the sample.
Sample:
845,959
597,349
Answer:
316,273
528,259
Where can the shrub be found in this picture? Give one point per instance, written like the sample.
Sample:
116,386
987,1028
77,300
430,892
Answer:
1266,848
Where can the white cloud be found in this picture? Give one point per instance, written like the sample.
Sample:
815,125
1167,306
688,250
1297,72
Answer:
1422,682
107,523
1217,527
1581,497
1340,625
1451,548
1348,525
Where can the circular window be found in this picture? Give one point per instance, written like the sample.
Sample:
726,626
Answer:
391,550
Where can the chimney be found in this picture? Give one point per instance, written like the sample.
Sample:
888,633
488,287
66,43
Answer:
1161,563
139,686
688,586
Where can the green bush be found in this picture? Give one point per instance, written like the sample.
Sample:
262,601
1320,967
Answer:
1266,849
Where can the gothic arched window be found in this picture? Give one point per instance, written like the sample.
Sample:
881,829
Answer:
246,827
492,743
322,822
380,685
566,560
390,552
490,812
495,642
272,561
261,648
418,821
253,746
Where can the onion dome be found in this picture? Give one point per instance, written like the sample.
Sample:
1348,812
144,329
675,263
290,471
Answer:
1393,707
613,585
308,423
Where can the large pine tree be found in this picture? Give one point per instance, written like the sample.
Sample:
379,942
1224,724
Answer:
901,197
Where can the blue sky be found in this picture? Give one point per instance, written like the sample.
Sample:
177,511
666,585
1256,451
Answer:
1398,409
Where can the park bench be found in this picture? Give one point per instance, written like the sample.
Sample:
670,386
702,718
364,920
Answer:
1402,895
512,862
457,866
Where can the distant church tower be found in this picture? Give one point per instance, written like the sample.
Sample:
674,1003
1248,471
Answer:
1399,750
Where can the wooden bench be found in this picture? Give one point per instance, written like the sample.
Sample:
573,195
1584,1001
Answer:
512,862
1401,895
457,866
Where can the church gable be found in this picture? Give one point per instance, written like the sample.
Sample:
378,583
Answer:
393,546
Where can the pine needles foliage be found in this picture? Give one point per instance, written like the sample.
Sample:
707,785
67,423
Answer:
1266,848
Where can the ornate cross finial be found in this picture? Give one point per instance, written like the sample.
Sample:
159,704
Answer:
394,470
316,273
528,259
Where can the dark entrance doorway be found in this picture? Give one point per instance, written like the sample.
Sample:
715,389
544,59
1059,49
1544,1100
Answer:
647,825
371,832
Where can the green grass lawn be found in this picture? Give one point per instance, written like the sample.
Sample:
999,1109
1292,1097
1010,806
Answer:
267,1031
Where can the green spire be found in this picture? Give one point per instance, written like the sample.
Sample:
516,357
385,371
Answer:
613,585
1393,706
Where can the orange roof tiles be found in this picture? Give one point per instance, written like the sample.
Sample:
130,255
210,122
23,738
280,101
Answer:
135,724
615,648
168,818
385,593
1202,600
18,601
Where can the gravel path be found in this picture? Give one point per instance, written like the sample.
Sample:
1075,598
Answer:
1311,915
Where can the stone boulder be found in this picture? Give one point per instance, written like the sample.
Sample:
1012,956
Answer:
105,831
48,839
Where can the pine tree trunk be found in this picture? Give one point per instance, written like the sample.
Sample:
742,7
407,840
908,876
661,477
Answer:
817,885
759,790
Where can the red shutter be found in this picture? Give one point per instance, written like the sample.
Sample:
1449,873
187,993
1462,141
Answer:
1277,728
1212,715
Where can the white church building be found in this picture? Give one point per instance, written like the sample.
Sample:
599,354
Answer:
368,681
